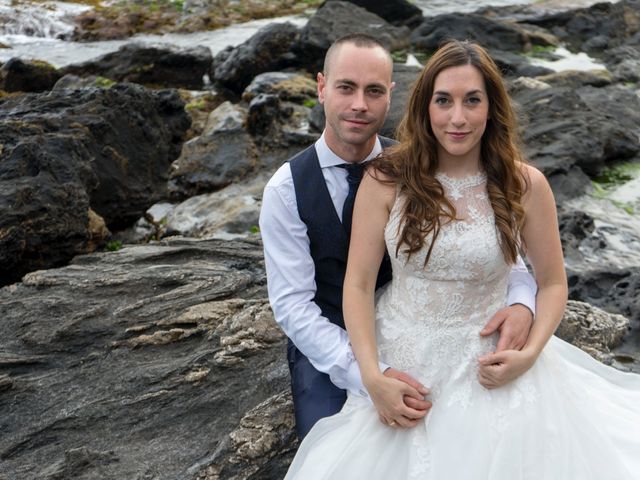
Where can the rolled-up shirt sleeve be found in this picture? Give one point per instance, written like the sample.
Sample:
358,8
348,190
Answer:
291,286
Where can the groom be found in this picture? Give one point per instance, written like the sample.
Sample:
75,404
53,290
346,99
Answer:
305,222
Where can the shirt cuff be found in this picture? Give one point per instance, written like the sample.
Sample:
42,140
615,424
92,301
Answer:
522,294
354,379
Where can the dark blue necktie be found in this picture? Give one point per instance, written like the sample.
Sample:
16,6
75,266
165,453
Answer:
354,175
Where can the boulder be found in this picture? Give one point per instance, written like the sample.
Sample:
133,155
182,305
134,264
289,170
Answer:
404,76
69,151
212,161
156,361
151,65
615,290
514,65
396,12
491,34
337,18
18,75
592,329
267,50
596,28
583,127
292,87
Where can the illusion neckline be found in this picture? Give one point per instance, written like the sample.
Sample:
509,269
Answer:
462,182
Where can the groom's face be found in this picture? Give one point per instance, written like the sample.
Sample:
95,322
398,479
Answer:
355,90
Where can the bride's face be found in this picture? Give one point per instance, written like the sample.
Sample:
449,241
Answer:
458,110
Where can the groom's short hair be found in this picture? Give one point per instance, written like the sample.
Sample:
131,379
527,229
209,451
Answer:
362,40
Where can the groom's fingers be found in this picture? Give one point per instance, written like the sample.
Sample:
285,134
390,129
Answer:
494,324
416,404
408,379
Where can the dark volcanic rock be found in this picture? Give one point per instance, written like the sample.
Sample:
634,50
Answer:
404,76
596,28
144,363
266,51
592,329
68,151
212,161
585,127
492,34
335,19
514,65
18,75
396,12
151,65
616,291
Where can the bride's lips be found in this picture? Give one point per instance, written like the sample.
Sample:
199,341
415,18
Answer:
458,135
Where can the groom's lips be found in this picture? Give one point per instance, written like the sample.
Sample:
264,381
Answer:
357,121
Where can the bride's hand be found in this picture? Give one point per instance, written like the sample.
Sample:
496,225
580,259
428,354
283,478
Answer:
388,395
499,368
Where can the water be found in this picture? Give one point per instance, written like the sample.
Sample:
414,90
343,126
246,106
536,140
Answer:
39,30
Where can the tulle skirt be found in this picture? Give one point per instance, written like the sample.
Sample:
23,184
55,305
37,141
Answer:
569,418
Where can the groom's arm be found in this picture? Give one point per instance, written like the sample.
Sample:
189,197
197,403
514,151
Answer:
515,321
291,285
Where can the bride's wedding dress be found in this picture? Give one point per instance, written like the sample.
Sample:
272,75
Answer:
567,418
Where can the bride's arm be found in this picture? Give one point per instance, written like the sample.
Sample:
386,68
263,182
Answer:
367,247
541,239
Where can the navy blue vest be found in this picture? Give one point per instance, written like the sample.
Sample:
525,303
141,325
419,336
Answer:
329,243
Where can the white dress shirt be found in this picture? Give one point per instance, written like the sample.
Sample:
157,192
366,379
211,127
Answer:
291,273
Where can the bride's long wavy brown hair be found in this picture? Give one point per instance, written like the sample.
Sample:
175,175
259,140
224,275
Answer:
412,163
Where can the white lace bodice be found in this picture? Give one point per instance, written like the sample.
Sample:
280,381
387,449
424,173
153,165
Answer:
429,318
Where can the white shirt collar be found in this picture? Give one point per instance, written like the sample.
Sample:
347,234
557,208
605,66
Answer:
329,159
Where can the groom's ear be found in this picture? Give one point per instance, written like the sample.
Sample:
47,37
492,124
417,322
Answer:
322,84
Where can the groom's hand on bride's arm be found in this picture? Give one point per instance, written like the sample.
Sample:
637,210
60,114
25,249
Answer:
513,323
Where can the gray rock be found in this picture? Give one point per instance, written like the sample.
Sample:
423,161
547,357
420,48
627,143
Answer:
292,87
227,117
595,28
279,124
492,34
18,75
68,152
151,65
212,161
337,18
404,76
396,12
74,82
268,50
514,65
142,363
262,446
592,329
583,127
578,78
615,290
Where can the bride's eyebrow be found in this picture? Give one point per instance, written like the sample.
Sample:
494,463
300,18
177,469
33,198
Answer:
472,92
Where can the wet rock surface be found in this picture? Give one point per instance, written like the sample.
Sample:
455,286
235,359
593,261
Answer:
17,75
156,352
268,50
66,152
150,65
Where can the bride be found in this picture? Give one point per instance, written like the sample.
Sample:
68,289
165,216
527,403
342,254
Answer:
453,203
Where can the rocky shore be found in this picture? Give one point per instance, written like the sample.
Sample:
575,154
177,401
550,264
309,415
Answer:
137,339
